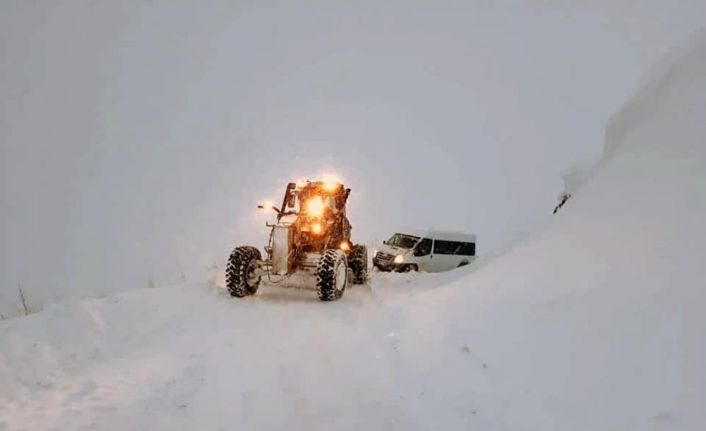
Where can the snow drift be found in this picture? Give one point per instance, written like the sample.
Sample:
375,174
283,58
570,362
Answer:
594,322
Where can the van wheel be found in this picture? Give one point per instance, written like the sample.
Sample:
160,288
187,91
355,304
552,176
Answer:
408,268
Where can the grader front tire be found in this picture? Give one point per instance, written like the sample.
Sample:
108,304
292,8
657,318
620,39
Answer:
332,275
241,279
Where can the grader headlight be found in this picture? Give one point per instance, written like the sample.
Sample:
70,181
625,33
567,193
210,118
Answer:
330,185
330,182
315,206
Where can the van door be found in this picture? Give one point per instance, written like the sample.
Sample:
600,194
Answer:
422,254
444,255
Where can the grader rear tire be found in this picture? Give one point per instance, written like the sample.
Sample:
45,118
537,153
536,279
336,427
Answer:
358,262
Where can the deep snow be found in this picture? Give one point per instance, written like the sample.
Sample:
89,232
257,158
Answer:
593,322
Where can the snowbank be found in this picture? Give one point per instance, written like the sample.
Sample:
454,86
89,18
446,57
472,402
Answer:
597,321
594,323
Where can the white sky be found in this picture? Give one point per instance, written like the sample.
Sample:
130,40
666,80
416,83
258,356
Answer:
136,138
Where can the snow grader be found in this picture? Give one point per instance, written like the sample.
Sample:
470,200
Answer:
311,239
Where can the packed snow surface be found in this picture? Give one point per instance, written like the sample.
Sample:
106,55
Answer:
595,322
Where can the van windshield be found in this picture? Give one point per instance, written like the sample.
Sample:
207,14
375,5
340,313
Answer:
402,241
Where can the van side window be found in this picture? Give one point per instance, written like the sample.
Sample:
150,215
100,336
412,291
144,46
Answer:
446,247
423,248
468,249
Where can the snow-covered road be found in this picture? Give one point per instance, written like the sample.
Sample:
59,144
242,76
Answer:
192,357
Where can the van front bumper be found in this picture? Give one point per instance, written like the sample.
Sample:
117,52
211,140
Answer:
384,261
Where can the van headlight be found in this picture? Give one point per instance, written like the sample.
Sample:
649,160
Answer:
399,258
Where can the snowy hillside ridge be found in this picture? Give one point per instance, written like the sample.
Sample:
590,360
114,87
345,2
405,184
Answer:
594,322
672,75
645,102
607,301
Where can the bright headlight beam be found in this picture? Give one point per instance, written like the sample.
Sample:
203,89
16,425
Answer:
315,207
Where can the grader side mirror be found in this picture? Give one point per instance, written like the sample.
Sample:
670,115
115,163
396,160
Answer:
262,207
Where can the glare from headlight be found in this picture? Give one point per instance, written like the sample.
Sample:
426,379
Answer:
316,228
399,258
315,206
330,183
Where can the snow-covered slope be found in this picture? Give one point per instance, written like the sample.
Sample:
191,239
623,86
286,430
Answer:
595,322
